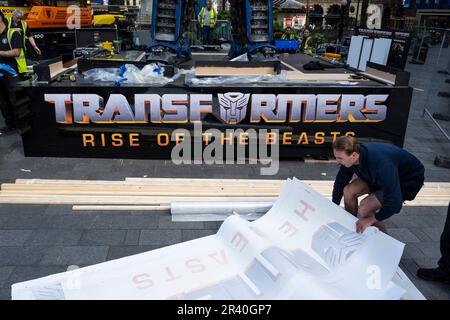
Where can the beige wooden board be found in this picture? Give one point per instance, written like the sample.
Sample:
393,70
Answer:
113,200
133,180
231,71
380,75
94,200
120,208
295,75
55,68
177,193
180,190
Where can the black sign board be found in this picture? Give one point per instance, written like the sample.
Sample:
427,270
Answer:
138,122
401,41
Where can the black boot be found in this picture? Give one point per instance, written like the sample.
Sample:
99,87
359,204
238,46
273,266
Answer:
436,274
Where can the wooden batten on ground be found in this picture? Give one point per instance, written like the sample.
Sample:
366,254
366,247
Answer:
158,193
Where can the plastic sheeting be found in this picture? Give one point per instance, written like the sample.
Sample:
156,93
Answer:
150,74
305,247
6,69
192,80
217,210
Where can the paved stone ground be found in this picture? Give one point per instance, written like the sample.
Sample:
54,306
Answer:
38,240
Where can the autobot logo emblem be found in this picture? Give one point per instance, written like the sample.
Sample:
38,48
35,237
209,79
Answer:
233,106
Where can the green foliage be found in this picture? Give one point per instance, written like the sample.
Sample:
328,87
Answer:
278,27
224,15
318,38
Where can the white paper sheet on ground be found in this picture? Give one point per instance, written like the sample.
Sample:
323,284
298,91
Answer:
305,247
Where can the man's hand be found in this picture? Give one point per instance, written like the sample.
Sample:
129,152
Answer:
38,51
363,223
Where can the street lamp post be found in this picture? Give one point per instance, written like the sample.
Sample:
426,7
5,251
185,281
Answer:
341,23
356,17
307,14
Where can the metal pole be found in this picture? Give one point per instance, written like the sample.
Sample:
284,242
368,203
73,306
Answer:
341,24
307,14
444,36
436,123
418,51
357,14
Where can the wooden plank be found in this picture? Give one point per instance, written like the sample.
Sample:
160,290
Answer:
145,186
183,182
76,200
178,193
113,200
232,71
321,77
152,181
120,208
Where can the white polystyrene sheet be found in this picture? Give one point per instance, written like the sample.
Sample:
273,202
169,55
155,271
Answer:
355,51
360,52
380,51
305,247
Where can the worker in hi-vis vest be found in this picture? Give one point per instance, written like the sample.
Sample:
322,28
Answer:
288,34
17,23
307,42
207,18
10,46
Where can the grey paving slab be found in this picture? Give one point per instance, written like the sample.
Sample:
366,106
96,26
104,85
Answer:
195,234
5,272
3,219
132,237
74,255
11,209
160,237
420,234
54,237
403,235
136,221
165,222
434,233
437,221
212,225
103,237
441,210
411,251
125,221
21,255
70,222
14,237
410,221
57,209
26,273
5,294
421,211
117,252
26,221
429,249
426,262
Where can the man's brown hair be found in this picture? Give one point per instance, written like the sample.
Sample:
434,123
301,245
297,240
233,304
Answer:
347,144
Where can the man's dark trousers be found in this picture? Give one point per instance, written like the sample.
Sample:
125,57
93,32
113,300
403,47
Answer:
444,262
207,35
8,99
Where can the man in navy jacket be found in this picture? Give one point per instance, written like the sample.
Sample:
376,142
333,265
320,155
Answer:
389,175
